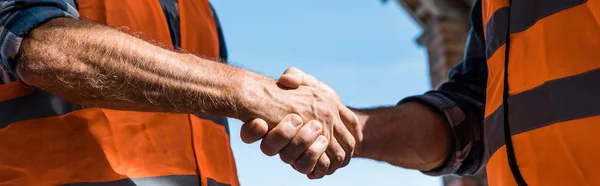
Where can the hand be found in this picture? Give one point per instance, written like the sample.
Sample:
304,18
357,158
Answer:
297,144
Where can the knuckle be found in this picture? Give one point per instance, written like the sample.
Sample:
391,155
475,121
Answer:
340,156
349,141
311,154
331,170
324,111
352,144
291,70
267,149
287,158
345,163
303,168
350,150
283,134
294,144
323,165
305,140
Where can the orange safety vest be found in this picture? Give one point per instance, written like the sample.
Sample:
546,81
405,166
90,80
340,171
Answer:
546,55
45,140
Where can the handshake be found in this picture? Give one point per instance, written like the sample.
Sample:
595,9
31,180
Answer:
304,122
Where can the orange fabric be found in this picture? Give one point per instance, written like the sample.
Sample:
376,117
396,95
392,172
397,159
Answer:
495,83
564,153
92,10
489,7
556,47
553,48
198,29
497,170
98,145
13,90
217,163
145,18
141,17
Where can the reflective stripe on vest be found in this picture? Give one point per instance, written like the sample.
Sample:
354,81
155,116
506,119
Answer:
46,140
174,180
39,104
552,76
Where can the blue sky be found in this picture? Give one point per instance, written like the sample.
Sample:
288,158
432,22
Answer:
364,49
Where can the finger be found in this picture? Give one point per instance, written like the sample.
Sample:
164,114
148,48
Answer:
346,141
306,163
281,135
336,155
292,81
294,75
321,168
308,80
291,78
306,137
350,120
254,130
292,70
347,133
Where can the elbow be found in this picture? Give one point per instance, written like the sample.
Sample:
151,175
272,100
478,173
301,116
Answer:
39,63
39,57
44,74
30,75
30,68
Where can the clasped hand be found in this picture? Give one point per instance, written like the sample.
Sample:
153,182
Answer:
317,136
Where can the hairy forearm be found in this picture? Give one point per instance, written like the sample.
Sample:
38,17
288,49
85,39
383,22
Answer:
98,66
409,135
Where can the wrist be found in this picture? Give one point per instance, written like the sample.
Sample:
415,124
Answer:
409,135
359,135
370,146
253,94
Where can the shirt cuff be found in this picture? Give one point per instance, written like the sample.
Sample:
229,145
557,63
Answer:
17,20
465,158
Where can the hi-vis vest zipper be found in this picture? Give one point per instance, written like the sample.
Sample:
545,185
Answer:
551,50
45,140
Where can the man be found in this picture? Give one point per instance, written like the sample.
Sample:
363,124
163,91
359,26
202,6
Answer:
87,104
523,103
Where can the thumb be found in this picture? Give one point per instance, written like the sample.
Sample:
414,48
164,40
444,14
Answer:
294,77
253,130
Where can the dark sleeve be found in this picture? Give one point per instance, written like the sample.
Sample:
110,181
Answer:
461,100
222,47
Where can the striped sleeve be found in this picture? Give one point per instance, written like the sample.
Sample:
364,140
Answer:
17,17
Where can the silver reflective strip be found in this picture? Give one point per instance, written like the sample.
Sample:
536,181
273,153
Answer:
173,180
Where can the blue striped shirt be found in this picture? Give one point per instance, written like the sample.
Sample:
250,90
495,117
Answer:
17,17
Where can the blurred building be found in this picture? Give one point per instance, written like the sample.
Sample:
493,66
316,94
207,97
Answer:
445,25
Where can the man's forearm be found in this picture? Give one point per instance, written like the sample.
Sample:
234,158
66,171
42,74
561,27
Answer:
409,135
95,65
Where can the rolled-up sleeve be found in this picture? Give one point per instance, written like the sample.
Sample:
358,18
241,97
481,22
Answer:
17,17
461,100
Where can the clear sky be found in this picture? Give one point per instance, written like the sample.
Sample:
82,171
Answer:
364,49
